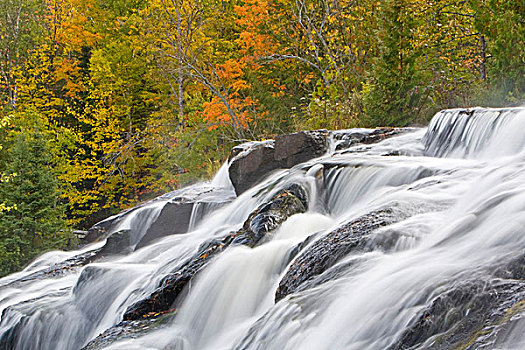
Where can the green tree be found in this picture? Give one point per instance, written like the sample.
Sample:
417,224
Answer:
502,26
34,223
393,94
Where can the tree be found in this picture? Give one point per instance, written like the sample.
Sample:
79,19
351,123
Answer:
395,91
199,39
449,44
18,34
4,126
502,25
35,221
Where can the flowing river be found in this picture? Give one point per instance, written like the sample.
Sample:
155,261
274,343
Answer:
455,194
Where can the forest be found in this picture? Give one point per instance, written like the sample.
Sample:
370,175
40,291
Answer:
107,103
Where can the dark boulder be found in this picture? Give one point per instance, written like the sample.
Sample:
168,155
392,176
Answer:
118,243
253,161
176,215
347,138
127,330
470,314
332,247
68,266
249,163
171,286
269,217
292,149
174,218
102,229
259,224
166,215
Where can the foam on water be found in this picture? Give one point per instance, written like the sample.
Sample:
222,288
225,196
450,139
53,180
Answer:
469,171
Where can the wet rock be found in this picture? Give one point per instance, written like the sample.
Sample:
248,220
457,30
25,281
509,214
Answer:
176,215
299,192
147,224
292,253
515,269
347,138
172,286
259,224
447,310
470,314
329,249
269,217
251,162
61,269
292,149
102,229
126,330
174,218
118,243
509,335
456,318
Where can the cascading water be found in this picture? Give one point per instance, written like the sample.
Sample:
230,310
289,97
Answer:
417,241
476,133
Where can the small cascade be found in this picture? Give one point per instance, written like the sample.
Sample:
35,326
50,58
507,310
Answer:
475,133
201,209
139,221
222,178
392,239
356,184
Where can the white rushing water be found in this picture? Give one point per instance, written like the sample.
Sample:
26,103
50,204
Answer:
462,180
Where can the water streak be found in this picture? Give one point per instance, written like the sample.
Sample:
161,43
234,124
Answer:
467,168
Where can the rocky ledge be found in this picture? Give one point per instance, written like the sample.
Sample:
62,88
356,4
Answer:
472,314
261,222
327,250
127,330
252,161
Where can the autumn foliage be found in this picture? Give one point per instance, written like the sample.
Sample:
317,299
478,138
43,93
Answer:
134,98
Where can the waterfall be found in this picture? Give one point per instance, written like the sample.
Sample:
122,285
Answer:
480,133
413,242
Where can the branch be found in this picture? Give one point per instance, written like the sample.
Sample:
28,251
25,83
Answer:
276,57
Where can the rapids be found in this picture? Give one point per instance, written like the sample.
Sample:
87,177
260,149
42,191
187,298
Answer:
459,186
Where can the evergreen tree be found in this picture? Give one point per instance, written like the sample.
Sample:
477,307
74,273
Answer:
35,221
393,94
502,27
